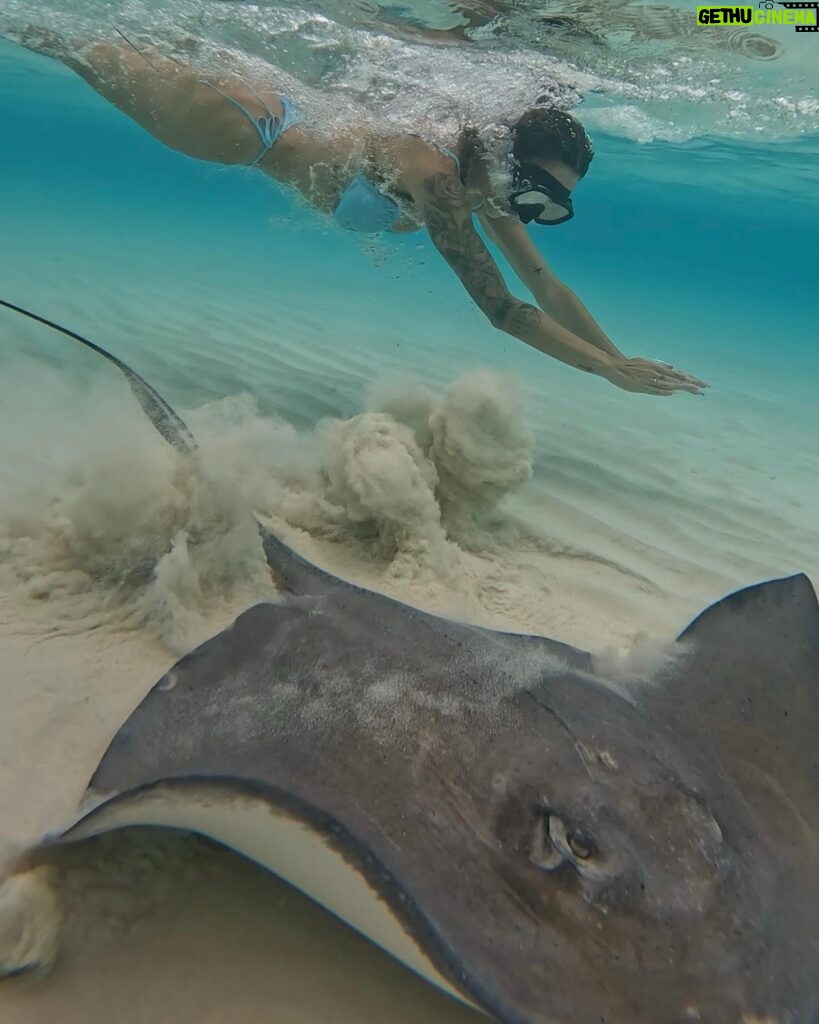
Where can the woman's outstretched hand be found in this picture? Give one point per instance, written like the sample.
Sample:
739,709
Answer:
646,377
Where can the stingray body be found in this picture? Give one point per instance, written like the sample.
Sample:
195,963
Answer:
551,846
523,833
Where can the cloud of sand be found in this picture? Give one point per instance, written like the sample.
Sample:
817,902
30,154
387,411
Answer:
29,922
650,660
419,471
102,522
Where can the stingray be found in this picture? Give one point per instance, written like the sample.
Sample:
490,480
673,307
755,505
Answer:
544,842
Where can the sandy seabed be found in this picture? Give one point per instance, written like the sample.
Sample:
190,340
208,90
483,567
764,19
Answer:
116,557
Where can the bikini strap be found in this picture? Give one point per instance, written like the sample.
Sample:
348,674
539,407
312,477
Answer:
269,126
291,114
441,149
452,155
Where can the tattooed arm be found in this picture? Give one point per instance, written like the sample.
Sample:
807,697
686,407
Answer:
440,197
551,294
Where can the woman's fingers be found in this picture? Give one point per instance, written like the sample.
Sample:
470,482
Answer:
663,386
678,385
685,378
650,377
688,378
666,371
677,381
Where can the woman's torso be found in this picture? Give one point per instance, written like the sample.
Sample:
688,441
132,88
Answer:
357,172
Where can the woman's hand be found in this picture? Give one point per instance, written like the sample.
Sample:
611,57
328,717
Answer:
646,377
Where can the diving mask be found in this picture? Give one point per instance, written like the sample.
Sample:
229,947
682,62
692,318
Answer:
539,196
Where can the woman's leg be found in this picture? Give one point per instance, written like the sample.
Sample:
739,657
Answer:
168,98
179,105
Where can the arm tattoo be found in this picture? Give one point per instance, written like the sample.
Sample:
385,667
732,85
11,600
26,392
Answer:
524,321
450,227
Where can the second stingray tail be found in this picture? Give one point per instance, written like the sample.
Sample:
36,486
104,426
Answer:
168,423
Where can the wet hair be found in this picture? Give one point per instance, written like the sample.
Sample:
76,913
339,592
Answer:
545,133
542,132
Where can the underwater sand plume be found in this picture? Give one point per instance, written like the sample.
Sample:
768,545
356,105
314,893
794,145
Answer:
115,527
479,445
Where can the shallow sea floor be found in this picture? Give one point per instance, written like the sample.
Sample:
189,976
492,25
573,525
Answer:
348,393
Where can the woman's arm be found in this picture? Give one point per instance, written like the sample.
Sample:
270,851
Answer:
439,194
512,238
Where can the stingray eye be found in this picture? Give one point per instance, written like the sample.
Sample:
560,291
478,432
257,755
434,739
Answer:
581,844
556,843
544,852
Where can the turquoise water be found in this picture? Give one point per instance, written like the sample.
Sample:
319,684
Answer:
673,262
693,243
347,391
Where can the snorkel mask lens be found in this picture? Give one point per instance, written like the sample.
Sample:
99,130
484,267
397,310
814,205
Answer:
538,196
540,207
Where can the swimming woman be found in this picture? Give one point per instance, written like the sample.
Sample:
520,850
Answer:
375,182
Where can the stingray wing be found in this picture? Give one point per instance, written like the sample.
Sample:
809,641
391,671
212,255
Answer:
308,736
749,692
357,748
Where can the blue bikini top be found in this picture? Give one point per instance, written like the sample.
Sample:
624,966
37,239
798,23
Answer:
363,207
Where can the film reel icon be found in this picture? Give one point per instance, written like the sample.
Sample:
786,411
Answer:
795,5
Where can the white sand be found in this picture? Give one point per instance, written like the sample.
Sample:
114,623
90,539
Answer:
113,560
170,929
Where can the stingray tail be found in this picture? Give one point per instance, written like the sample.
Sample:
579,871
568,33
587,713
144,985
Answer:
171,426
